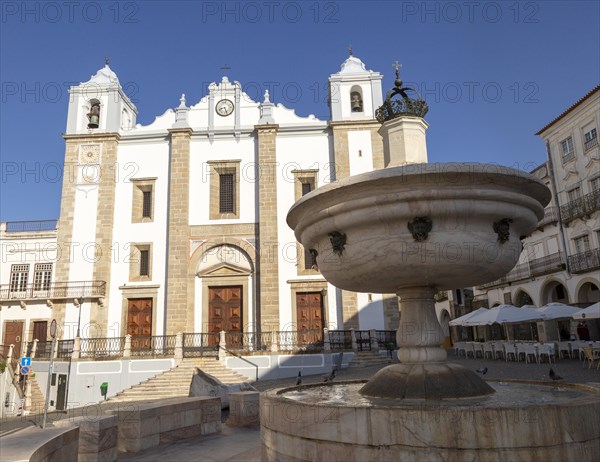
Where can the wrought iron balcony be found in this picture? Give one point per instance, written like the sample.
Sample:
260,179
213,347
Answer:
580,207
550,216
30,226
441,295
53,291
538,266
590,143
584,261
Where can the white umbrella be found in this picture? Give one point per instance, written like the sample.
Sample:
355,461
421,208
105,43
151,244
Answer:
556,311
503,314
591,312
459,321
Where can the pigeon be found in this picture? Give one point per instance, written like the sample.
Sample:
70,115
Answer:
330,377
482,370
299,378
553,375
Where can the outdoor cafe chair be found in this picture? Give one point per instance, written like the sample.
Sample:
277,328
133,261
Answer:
460,347
488,348
564,347
498,350
577,346
528,350
510,349
588,357
546,349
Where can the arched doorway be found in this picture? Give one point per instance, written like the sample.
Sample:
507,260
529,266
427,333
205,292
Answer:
588,294
554,291
522,298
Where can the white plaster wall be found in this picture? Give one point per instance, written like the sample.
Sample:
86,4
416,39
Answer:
370,313
202,151
139,160
295,152
360,152
22,249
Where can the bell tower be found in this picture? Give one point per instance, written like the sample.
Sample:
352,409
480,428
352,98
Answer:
354,92
100,105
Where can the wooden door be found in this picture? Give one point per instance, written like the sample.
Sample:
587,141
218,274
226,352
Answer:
13,334
40,330
61,392
139,322
309,317
225,313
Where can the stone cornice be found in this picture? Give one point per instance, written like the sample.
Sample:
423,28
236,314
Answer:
182,131
267,128
92,137
354,124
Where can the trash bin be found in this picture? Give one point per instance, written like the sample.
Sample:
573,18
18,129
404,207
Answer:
104,389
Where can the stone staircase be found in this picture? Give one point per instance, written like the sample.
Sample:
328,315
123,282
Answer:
369,358
176,381
38,401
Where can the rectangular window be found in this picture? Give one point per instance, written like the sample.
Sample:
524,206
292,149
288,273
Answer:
574,194
147,204
306,188
18,278
309,261
226,193
566,147
582,244
144,263
595,184
589,136
42,276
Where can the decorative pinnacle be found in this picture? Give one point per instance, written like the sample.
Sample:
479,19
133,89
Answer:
106,60
397,66
267,100
182,100
350,49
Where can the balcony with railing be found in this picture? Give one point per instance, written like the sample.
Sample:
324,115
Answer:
585,261
30,226
580,207
53,291
589,144
550,216
549,264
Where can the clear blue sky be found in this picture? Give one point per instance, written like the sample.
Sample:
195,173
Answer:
493,72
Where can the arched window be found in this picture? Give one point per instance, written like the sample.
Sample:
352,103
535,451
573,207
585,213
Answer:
94,114
356,101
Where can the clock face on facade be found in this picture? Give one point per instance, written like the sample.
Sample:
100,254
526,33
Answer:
224,107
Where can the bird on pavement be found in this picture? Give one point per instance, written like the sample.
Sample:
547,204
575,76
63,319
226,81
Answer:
482,370
299,378
553,375
330,377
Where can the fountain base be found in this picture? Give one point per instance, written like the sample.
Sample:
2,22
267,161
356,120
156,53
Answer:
431,381
526,421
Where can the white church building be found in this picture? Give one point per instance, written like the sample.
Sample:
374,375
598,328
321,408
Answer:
179,225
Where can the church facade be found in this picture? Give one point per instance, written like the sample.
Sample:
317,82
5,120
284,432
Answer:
179,225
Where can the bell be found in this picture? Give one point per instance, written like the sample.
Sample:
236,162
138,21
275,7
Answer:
93,121
356,106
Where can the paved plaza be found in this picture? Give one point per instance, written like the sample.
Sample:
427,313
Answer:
243,444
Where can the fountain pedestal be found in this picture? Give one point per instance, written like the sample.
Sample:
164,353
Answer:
423,372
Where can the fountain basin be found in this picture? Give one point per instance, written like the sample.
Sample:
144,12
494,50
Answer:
360,225
526,421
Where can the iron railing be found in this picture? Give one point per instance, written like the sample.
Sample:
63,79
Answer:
200,345
340,339
248,341
580,207
64,349
386,338
441,295
304,340
552,263
584,261
157,345
589,144
363,340
54,290
102,348
550,216
25,226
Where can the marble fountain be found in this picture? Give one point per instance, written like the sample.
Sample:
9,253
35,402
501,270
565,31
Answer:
414,228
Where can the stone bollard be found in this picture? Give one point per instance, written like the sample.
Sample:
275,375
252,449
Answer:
274,341
373,339
9,356
244,409
326,343
222,347
34,348
353,338
76,348
127,347
179,347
